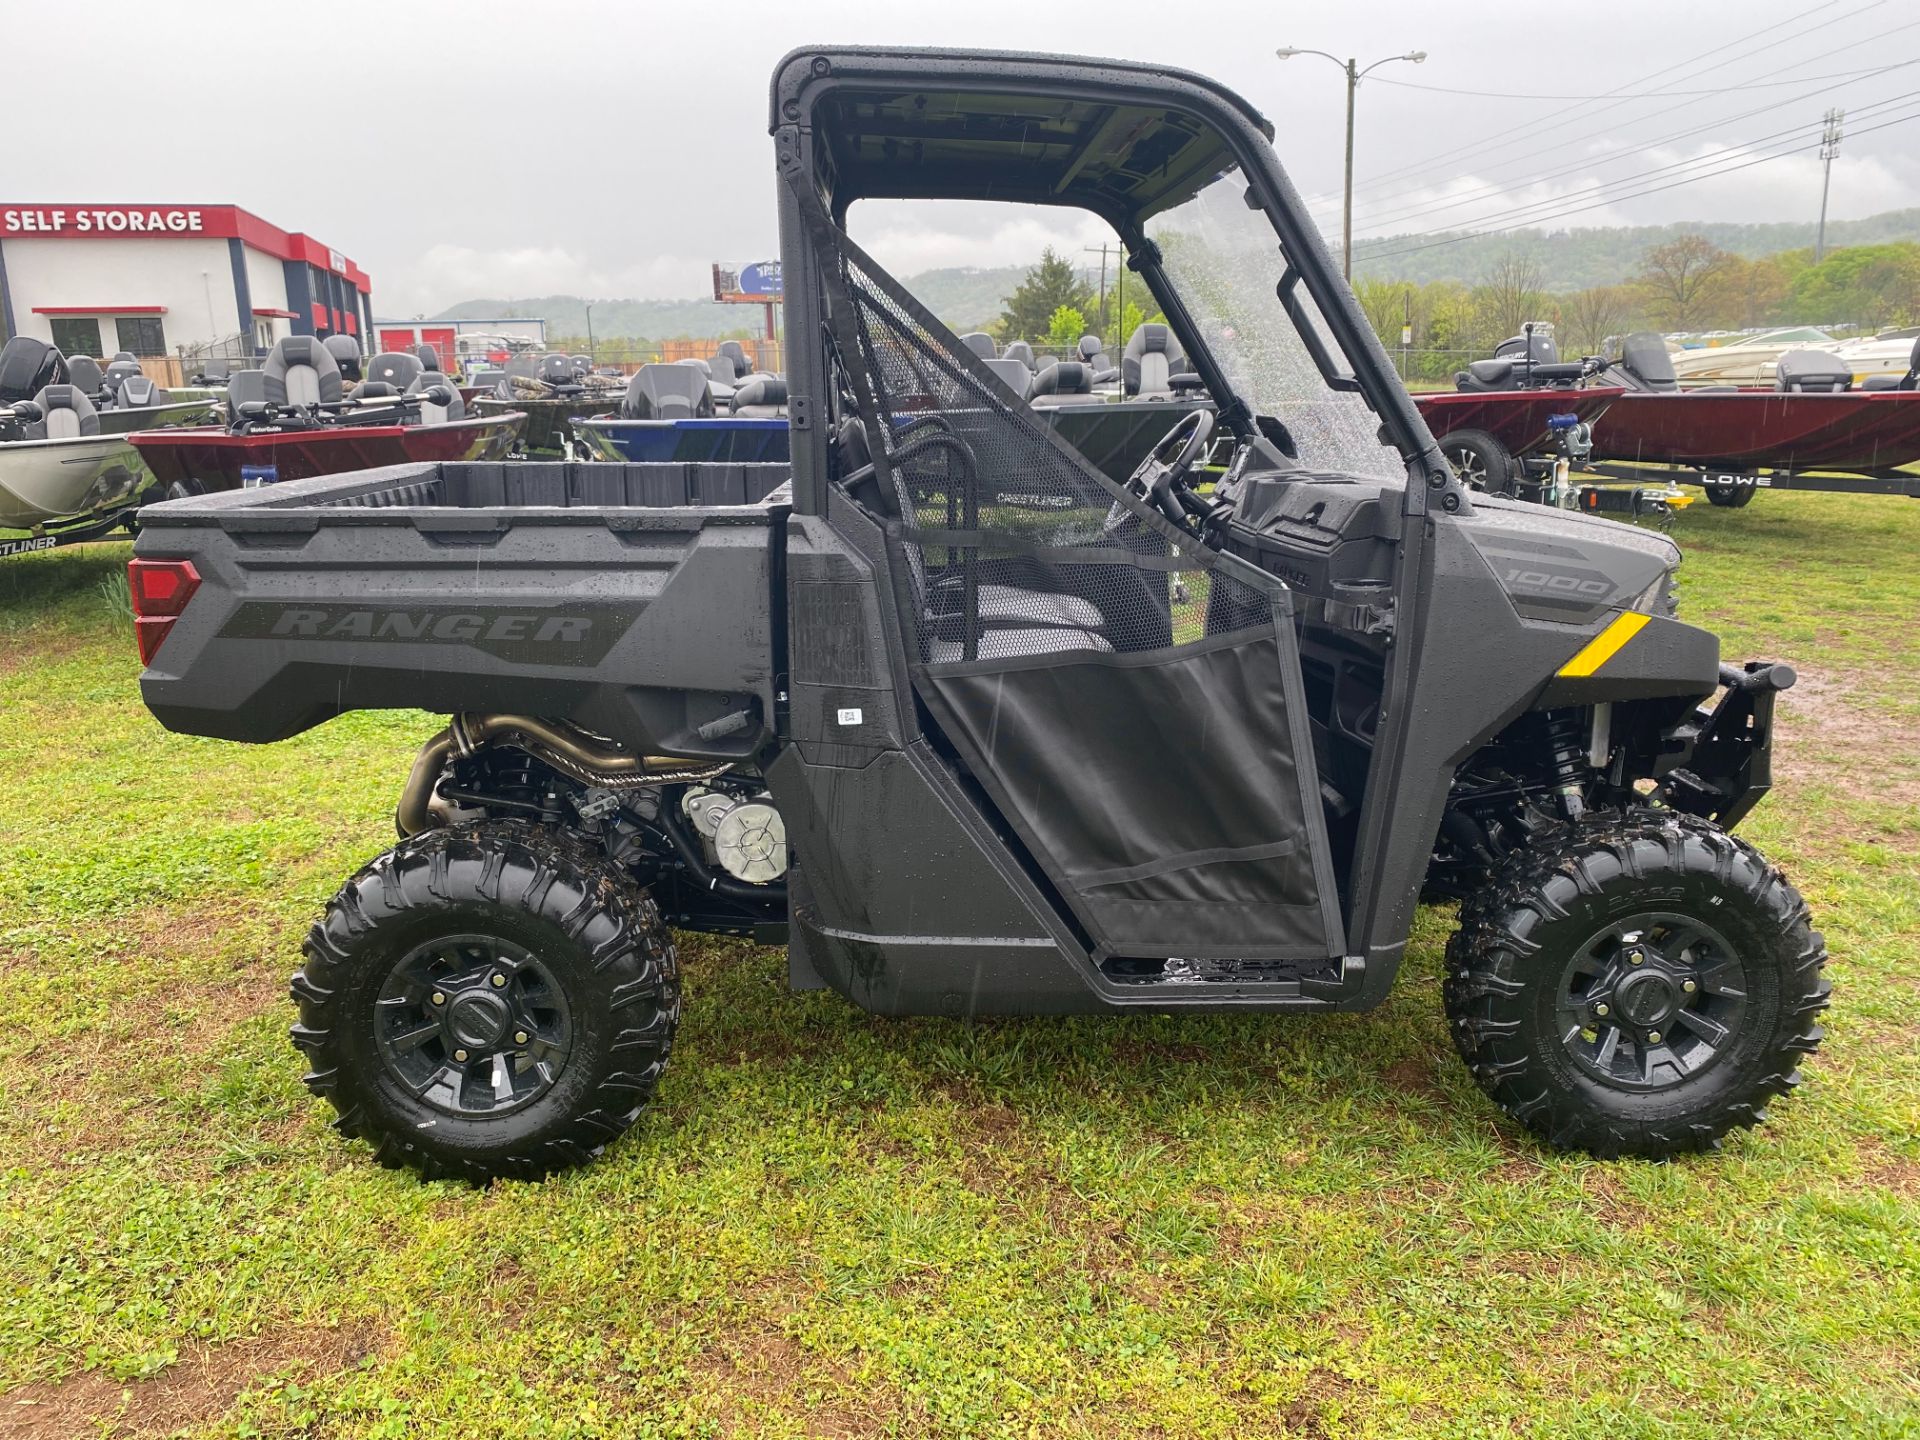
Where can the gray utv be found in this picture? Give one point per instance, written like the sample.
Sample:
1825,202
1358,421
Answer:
972,728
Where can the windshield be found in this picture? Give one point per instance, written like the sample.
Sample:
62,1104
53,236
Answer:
1225,261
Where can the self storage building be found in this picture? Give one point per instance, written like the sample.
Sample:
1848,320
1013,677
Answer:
195,280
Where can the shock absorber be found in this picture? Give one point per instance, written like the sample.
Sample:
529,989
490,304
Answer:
1567,768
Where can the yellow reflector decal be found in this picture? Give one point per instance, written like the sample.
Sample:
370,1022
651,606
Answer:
1604,646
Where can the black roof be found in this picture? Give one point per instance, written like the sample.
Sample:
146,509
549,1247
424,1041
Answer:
1112,136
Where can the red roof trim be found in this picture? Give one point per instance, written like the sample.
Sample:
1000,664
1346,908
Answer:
99,309
217,222
278,314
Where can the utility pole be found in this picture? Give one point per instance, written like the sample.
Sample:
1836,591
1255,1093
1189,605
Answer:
592,357
1354,72
1103,250
1829,147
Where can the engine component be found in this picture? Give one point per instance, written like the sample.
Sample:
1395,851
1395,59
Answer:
750,841
703,809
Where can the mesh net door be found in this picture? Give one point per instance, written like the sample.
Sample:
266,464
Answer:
1133,708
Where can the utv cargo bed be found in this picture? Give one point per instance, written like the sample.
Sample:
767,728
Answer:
421,586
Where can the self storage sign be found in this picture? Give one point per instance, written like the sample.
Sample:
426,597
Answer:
108,220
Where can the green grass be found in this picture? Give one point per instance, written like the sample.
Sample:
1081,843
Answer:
832,1224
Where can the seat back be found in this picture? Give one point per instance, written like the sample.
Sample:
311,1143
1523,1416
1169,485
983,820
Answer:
737,353
136,391
1147,364
582,366
1643,355
125,355
1093,352
346,354
557,369
431,413
299,371
28,366
84,372
722,367
429,358
1811,372
1023,352
667,392
245,387
398,368
524,366
1064,380
980,343
65,414
1013,374
374,390
117,374
763,396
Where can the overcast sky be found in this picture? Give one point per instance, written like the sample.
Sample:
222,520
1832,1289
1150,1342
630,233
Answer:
592,147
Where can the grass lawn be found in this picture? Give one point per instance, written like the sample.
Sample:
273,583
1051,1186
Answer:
837,1225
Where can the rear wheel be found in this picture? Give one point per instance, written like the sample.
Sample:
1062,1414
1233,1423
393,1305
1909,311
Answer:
1732,493
1480,461
1636,985
493,1000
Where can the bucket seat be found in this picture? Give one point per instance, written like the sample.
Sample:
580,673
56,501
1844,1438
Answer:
137,391
981,344
430,412
762,396
1065,382
84,372
346,354
1885,382
1012,374
398,368
1811,372
1150,361
1023,352
299,371
65,414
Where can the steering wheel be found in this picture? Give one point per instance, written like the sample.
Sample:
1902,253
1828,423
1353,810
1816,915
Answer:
1162,477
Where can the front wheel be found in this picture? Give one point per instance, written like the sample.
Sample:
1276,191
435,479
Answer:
1636,985
489,1001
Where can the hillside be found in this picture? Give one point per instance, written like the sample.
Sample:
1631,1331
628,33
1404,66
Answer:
967,298
1576,259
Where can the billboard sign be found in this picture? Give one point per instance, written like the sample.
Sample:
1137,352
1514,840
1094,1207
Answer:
755,284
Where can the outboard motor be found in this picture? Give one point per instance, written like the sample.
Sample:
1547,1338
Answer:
667,392
28,366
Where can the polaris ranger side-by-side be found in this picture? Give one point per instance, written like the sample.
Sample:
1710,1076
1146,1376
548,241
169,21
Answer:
975,729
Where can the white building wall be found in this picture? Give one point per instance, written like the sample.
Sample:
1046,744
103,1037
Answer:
267,278
192,278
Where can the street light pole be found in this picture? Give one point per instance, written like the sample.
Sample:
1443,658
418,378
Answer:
1354,72
593,357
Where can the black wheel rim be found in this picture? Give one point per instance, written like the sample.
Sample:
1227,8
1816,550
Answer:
1652,1001
473,1025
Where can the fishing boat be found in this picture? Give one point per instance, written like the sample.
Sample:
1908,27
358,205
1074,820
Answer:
293,419
61,479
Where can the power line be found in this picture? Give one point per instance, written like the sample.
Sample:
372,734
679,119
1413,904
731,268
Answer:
1484,94
1503,141
1457,201
1378,215
1463,236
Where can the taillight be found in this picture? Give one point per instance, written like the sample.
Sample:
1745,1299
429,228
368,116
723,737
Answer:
160,590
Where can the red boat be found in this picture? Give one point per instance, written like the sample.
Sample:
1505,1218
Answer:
1515,418
208,458
1865,431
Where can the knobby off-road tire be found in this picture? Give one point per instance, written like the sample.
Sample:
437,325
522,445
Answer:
490,1001
1708,1022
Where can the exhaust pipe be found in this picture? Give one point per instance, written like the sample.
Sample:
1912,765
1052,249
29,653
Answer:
568,749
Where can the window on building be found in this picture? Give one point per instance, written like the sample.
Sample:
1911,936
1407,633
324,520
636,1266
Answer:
76,337
142,334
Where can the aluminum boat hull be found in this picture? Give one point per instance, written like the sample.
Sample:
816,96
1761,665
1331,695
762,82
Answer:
46,481
1871,431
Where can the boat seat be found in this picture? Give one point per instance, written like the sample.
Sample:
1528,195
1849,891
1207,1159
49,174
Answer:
28,366
299,371
1644,356
1012,374
397,368
737,353
1023,352
125,357
117,374
762,395
1811,372
430,413
65,414
137,391
1093,354
245,387
346,354
85,372
1481,375
1148,364
1065,382
981,344
374,390
720,366
428,357
557,370
667,392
